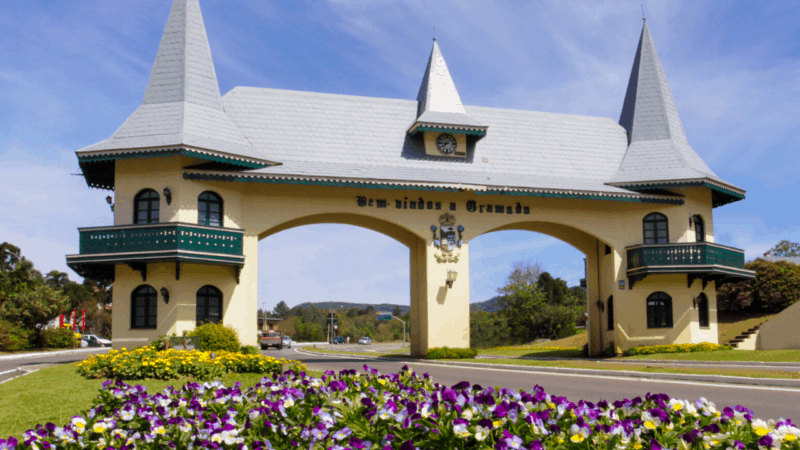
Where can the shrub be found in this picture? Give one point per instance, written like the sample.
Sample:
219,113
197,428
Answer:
250,350
217,337
774,288
675,348
451,353
60,338
145,362
13,337
488,330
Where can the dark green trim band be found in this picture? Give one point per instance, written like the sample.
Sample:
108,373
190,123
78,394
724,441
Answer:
451,130
156,257
665,201
172,152
724,196
357,184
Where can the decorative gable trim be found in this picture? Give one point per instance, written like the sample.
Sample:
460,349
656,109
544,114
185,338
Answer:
444,128
721,194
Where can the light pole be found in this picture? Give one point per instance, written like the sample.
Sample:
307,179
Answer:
404,329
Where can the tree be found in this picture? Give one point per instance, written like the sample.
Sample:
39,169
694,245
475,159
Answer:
784,248
10,256
282,310
521,299
369,310
33,308
56,279
397,312
523,273
775,287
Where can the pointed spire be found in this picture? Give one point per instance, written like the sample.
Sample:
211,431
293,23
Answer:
184,70
438,92
649,111
438,102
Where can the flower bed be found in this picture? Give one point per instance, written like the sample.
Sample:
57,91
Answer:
534,348
146,362
396,411
675,348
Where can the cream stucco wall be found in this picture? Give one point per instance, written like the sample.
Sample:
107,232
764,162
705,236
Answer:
780,332
440,315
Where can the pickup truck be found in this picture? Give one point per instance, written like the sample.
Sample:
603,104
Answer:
272,339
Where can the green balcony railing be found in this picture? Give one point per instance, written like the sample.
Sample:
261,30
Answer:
138,245
696,258
161,237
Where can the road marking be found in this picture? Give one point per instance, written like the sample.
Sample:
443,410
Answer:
14,378
578,375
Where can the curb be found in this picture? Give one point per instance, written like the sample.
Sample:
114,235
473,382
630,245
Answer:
716,363
720,379
45,354
20,373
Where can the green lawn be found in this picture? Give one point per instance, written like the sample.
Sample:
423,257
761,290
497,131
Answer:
57,393
732,324
532,352
729,355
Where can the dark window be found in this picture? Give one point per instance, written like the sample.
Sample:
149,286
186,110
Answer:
209,305
209,209
656,230
699,229
702,306
659,310
610,312
145,207
144,308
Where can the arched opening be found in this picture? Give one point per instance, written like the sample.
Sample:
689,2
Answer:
144,308
146,207
209,305
702,311
332,261
655,229
610,309
209,209
659,310
699,228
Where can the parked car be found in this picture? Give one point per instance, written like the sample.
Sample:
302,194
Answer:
365,341
338,340
287,341
90,340
272,339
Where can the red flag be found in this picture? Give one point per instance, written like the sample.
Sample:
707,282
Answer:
60,320
83,319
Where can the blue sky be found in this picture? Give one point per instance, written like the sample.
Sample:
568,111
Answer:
72,72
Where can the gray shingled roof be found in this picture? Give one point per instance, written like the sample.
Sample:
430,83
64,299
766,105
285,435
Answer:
659,149
182,103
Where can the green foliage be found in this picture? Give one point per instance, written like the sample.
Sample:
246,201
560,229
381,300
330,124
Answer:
308,331
217,337
775,287
59,338
488,330
13,337
450,353
250,350
33,307
554,322
675,348
282,310
784,248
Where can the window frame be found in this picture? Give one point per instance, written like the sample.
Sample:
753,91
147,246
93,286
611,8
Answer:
703,310
659,316
205,317
151,201
699,235
610,309
208,202
655,218
151,305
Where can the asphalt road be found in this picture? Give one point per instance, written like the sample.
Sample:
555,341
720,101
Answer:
37,362
767,402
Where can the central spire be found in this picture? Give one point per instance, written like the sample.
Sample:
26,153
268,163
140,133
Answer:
438,92
184,70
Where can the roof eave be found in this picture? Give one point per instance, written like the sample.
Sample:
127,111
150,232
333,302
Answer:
722,193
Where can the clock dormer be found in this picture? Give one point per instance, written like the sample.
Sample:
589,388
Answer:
441,117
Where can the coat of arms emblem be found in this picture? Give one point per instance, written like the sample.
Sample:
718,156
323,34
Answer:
448,241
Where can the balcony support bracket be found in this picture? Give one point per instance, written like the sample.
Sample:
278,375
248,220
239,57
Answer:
237,272
633,279
139,267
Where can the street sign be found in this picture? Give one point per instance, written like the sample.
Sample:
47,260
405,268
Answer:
383,316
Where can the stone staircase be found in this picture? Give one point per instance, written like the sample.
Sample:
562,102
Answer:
746,340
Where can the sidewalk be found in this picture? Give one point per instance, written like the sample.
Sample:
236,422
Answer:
53,353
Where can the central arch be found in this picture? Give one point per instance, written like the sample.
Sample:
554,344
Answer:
417,260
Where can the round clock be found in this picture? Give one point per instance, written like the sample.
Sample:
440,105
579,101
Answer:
446,143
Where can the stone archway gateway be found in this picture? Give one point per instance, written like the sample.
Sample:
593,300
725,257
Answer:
199,178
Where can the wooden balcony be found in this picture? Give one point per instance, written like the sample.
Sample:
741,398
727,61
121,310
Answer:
699,260
101,248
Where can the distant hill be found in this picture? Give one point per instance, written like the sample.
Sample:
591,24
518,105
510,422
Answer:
491,305
388,307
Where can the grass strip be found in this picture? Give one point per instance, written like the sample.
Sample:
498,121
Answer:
728,355
55,394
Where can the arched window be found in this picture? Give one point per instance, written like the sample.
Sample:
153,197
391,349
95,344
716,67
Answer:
702,309
145,207
209,305
659,310
209,209
655,228
144,308
610,308
699,229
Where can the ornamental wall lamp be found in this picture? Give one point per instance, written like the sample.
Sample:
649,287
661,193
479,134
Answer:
168,195
694,303
601,306
691,221
110,202
165,294
451,277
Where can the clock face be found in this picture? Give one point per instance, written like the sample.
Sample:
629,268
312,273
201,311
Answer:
446,143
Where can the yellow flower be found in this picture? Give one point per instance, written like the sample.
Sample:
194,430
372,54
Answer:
650,425
577,438
637,446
